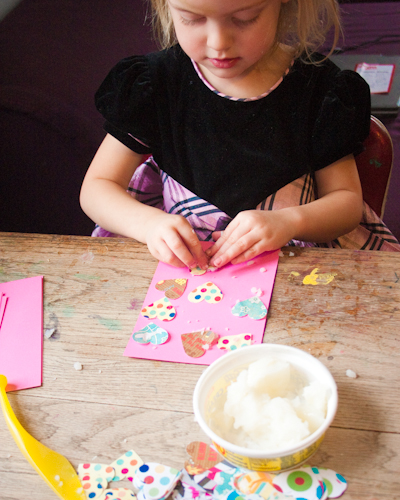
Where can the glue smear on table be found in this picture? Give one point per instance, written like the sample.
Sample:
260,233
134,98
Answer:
271,405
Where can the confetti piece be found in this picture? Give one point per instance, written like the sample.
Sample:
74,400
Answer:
253,307
233,342
49,332
262,270
151,333
194,342
96,471
78,366
173,288
161,309
126,466
155,481
256,291
208,292
351,374
335,483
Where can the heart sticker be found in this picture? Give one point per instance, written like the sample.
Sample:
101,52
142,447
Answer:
173,288
335,483
93,485
255,482
202,455
208,292
151,333
197,271
96,471
126,466
233,342
304,482
118,494
195,344
155,481
253,307
161,309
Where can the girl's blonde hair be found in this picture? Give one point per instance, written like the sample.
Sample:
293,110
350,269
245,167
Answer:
303,24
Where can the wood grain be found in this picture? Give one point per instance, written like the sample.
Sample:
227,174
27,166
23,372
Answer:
93,292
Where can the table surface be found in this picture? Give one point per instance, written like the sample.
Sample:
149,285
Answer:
93,292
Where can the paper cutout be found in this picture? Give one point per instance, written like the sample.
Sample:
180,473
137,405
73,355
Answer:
233,342
335,483
253,307
161,309
126,466
173,288
151,333
93,485
207,291
195,344
155,481
118,494
255,482
203,456
304,482
198,271
192,316
96,470
21,335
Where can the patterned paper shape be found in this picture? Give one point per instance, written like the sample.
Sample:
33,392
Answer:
207,291
96,471
126,466
256,482
93,485
335,483
161,309
197,271
155,481
173,288
195,344
202,455
253,307
304,482
118,494
151,333
233,342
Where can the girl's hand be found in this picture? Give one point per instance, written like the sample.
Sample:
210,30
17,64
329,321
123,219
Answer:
251,233
171,239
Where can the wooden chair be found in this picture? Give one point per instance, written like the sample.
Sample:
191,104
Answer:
375,166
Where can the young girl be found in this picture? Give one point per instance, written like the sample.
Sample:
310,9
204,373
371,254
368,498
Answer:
240,116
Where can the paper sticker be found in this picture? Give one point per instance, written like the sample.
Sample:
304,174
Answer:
195,344
203,455
118,494
93,485
335,483
155,481
151,333
207,291
233,342
126,466
161,309
173,288
96,471
255,482
304,482
253,307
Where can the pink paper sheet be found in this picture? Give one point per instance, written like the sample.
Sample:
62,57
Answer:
235,282
21,333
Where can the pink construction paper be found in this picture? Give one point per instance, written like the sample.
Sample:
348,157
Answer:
21,333
235,282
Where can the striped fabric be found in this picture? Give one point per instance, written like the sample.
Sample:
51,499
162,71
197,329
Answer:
152,186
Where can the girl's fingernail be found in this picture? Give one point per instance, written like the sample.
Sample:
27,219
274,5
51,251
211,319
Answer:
217,262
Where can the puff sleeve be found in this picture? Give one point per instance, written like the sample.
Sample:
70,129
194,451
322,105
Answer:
125,101
343,120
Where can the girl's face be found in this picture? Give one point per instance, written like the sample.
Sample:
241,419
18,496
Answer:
228,39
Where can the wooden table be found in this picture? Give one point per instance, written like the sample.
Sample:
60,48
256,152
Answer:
93,292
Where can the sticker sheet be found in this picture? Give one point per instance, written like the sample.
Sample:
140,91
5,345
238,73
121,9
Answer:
194,317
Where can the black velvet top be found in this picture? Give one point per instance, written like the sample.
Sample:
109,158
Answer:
231,153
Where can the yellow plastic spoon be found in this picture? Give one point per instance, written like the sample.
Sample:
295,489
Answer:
53,467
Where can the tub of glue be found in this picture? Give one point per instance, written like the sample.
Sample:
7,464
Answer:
270,367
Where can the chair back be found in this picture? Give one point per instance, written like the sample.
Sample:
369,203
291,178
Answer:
374,166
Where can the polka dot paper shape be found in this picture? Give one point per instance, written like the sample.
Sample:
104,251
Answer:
304,483
207,291
173,288
202,455
126,466
93,485
118,494
252,307
151,333
197,271
96,471
161,309
195,344
155,481
233,342
255,482
335,483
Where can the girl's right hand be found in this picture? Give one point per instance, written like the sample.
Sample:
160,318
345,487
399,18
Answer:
171,239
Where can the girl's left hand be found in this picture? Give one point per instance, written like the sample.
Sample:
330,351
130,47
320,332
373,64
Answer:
251,233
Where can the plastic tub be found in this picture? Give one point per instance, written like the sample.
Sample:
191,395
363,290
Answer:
210,394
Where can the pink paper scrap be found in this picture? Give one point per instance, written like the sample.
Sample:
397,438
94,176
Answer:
236,283
21,333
